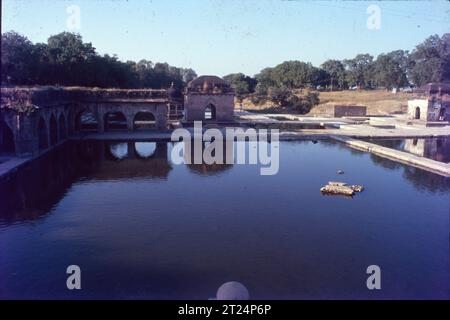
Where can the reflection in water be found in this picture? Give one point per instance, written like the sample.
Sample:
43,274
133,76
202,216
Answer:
33,190
119,150
133,165
421,179
432,148
203,168
41,184
145,149
436,149
143,227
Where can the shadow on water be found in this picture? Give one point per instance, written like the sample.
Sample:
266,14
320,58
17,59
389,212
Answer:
203,168
38,186
421,179
437,149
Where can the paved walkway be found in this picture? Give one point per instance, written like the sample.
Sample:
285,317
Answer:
349,130
366,131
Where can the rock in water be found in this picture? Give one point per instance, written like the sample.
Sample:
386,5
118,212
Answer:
334,189
336,183
357,188
341,188
340,172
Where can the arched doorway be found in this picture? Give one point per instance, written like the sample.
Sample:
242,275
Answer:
62,127
42,134
53,131
442,114
144,120
115,121
7,143
417,113
210,112
86,121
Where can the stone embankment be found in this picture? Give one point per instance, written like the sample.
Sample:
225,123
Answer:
437,167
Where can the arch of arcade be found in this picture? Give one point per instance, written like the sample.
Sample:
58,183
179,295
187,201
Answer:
38,118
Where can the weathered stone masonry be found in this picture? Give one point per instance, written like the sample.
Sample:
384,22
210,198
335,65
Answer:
39,118
431,103
210,99
35,119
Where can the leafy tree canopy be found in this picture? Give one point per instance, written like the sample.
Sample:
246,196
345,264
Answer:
66,60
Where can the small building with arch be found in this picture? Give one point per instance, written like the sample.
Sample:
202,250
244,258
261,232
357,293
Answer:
209,99
431,103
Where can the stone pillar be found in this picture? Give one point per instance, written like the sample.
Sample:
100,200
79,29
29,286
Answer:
130,123
161,150
131,150
47,124
100,120
161,117
25,134
70,119
101,150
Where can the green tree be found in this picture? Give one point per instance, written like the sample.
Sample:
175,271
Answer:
66,60
390,69
430,60
265,79
295,74
359,70
336,73
18,57
242,84
280,95
70,57
188,75
303,104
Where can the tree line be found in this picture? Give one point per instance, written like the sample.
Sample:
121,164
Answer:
428,62
68,61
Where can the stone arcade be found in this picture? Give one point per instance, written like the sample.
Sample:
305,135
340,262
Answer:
32,120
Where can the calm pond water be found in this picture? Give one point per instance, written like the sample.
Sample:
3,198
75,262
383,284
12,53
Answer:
432,148
140,226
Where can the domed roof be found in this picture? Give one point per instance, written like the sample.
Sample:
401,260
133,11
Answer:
173,92
210,81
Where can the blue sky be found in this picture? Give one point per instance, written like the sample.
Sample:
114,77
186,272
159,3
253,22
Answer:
225,36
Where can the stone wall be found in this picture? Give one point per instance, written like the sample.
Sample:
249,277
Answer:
347,111
58,110
430,109
433,101
195,105
436,148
